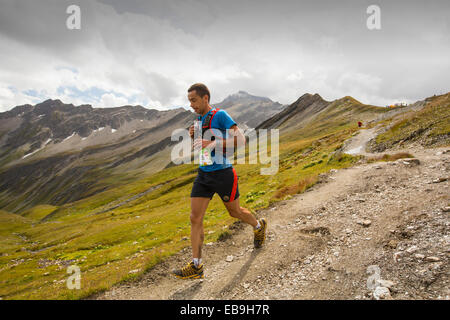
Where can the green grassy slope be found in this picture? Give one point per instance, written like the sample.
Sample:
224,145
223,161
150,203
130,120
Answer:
429,126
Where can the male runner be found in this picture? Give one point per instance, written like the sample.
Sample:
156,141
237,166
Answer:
220,178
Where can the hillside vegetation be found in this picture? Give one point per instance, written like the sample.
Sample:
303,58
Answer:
429,126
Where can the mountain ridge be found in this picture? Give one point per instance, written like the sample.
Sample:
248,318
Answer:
45,146
260,108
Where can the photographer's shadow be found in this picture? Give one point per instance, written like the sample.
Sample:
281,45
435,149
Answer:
239,276
187,293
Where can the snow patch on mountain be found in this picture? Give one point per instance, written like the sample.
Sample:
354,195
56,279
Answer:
67,138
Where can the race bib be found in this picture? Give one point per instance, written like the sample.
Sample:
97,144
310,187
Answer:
205,157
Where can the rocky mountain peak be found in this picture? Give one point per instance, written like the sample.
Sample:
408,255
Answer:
49,105
241,93
249,110
309,98
244,97
308,104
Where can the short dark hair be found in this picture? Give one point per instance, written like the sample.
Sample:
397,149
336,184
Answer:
201,90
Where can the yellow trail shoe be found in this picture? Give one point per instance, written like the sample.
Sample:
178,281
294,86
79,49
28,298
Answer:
260,234
189,271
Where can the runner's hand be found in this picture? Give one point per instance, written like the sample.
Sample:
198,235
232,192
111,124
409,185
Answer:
191,131
200,143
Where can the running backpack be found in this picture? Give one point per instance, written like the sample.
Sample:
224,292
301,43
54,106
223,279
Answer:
208,121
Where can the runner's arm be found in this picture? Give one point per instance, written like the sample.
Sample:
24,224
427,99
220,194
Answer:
237,138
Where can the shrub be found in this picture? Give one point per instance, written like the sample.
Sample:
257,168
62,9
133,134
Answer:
299,187
224,236
390,157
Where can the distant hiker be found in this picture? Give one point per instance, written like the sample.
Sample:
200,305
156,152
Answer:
214,177
359,124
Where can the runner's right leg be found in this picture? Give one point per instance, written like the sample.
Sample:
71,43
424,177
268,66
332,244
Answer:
191,270
198,209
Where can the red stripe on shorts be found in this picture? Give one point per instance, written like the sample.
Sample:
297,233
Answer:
233,191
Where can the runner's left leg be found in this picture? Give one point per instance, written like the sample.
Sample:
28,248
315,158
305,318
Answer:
236,211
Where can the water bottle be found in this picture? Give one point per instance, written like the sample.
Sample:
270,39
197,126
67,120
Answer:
205,153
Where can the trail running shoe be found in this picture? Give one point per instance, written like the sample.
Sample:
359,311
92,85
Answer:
260,234
189,271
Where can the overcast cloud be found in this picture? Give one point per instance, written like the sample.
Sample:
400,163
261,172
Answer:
149,52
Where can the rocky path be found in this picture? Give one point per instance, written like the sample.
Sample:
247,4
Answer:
340,240
356,145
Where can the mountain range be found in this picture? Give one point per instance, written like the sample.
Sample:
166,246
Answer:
55,153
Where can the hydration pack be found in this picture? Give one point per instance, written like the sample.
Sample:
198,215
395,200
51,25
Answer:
208,120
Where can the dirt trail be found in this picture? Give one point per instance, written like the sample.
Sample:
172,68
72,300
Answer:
320,243
356,145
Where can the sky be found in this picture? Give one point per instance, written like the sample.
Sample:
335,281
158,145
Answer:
148,52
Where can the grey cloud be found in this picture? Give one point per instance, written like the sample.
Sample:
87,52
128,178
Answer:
160,87
158,48
190,16
43,23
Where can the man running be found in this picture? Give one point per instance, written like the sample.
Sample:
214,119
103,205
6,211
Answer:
218,177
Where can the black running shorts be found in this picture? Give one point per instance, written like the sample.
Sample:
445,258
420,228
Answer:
224,182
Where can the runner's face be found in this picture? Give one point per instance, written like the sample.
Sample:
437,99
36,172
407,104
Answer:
197,103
